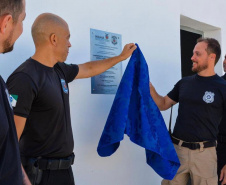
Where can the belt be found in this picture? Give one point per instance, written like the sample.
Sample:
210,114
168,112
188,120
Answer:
49,163
193,145
221,139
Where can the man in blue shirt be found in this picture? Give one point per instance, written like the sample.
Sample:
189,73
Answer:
202,101
12,14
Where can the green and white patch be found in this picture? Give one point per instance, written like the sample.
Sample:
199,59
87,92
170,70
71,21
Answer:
13,99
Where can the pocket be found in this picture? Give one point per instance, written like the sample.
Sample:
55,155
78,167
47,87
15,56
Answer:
165,182
212,181
182,154
205,163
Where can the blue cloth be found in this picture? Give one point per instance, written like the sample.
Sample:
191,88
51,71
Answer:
135,113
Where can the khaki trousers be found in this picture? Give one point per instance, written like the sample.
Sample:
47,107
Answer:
200,165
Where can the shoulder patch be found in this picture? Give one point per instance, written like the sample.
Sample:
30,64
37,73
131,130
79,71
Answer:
13,99
64,86
8,97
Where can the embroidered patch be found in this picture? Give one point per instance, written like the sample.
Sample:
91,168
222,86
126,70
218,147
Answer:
208,97
7,94
13,99
64,86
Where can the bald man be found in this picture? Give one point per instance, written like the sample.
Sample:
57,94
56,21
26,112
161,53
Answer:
39,90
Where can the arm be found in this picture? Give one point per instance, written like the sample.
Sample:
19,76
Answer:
93,68
163,103
20,124
223,175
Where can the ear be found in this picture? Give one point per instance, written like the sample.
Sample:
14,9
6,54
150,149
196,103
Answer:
5,22
53,39
212,56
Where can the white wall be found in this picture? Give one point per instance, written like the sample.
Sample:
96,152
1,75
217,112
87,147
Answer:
155,26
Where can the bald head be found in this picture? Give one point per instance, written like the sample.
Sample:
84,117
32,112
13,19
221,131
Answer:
45,25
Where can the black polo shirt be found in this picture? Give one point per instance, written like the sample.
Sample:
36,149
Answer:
10,165
202,101
41,95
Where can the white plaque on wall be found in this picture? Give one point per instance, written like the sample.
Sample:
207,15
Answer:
105,45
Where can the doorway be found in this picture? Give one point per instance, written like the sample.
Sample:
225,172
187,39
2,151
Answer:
188,41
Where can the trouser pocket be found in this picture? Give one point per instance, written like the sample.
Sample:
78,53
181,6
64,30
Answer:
212,181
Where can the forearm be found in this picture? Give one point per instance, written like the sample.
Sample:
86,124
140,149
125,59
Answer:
94,68
158,99
20,124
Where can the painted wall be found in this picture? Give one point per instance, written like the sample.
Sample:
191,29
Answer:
155,26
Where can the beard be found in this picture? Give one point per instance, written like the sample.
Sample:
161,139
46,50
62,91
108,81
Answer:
200,68
7,45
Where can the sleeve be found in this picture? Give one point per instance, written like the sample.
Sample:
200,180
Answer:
4,123
174,93
224,95
70,71
23,91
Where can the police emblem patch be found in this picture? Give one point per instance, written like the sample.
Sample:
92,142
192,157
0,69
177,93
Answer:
64,86
208,97
7,94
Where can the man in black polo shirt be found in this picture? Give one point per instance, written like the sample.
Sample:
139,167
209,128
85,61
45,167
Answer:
40,96
202,99
221,144
12,14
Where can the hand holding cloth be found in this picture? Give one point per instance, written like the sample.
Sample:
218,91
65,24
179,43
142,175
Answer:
135,114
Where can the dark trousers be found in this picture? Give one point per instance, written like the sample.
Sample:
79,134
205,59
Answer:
221,158
56,177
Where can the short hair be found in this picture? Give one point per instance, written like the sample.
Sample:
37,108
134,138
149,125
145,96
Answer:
12,7
213,46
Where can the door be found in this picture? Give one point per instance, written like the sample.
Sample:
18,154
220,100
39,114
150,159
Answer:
188,42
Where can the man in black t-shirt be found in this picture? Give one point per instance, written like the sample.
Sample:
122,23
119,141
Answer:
221,144
12,14
40,97
202,100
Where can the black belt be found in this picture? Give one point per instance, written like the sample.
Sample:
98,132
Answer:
194,146
49,163
221,139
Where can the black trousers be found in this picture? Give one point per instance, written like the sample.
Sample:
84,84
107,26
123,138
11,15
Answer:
56,177
221,158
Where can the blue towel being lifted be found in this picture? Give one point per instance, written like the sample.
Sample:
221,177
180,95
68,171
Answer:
135,113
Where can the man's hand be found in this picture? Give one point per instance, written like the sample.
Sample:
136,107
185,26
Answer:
127,51
163,103
94,68
223,175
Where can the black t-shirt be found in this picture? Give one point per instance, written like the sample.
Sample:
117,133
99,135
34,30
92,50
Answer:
202,101
41,95
222,126
10,165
